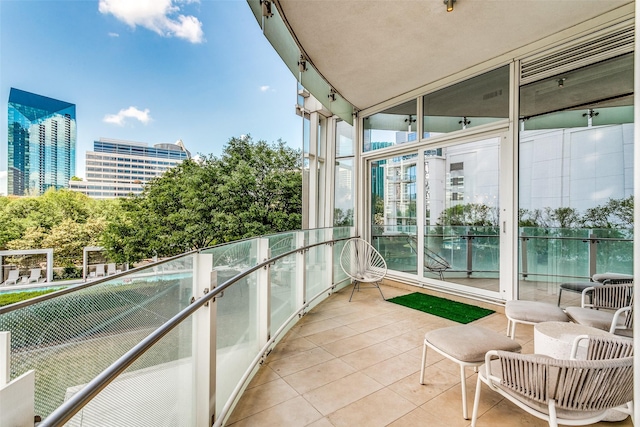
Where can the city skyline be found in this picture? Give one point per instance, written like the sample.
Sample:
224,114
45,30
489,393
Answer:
153,72
41,143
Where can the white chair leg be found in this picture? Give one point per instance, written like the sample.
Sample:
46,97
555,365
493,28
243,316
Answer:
355,284
424,361
553,417
476,403
513,330
508,327
464,393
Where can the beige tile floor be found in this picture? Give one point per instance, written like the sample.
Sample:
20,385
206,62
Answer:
358,364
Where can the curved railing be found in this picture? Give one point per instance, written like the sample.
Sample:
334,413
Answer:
545,253
162,341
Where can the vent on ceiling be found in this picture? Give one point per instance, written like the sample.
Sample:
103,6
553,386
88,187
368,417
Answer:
578,55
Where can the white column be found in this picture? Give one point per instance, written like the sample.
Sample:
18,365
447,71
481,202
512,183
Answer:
300,280
17,396
636,211
313,169
264,293
49,265
328,256
204,341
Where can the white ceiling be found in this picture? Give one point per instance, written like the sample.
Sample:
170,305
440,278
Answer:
373,50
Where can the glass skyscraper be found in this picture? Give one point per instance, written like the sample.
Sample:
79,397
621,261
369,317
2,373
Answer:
41,143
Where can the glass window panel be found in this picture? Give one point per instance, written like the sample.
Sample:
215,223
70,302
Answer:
461,236
576,178
613,115
480,100
393,207
392,126
344,139
607,83
344,193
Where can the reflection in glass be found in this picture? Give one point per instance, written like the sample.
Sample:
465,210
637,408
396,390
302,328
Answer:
461,236
393,210
576,177
393,126
477,101
344,186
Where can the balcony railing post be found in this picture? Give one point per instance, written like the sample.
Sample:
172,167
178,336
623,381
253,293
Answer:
328,254
523,254
17,397
204,342
301,277
264,293
469,237
593,254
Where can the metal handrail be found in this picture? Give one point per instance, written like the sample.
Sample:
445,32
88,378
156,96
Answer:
74,288
68,409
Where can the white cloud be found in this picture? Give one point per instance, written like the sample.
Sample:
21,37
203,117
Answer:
160,16
129,113
264,88
3,183
114,35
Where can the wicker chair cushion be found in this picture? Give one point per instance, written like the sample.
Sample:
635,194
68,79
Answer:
600,319
534,311
469,343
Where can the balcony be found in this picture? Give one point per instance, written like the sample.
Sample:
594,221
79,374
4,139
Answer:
255,332
358,364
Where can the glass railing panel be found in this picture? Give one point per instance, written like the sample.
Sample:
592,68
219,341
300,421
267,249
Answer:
233,258
281,243
485,255
70,339
317,274
237,341
614,250
316,235
157,389
394,244
283,278
338,233
283,290
555,254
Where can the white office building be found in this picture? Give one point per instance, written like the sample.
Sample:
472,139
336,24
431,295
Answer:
121,168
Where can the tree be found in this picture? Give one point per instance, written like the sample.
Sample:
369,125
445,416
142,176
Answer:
254,188
470,214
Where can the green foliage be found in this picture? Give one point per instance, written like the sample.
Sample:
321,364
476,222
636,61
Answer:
14,297
470,214
342,218
253,189
616,213
63,220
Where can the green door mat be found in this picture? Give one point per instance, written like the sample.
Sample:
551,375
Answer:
442,307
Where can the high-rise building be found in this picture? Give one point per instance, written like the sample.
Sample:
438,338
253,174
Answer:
41,143
121,168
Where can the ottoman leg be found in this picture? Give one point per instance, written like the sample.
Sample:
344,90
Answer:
464,393
424,361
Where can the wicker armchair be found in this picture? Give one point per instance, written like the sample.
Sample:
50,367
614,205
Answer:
571,392
610,309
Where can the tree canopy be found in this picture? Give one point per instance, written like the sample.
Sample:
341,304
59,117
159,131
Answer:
253,188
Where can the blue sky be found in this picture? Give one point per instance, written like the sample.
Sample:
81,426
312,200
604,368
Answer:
149,71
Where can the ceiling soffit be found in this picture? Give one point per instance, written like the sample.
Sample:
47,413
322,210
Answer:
372,51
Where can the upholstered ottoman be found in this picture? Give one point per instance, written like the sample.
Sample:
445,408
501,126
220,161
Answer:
466,345
530,313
